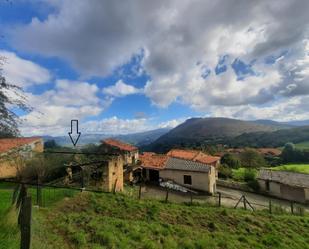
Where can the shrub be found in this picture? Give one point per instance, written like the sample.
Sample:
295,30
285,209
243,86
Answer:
249,175
225,171
254,185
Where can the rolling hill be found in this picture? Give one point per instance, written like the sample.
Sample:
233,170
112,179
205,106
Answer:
232,132
206,130
271,139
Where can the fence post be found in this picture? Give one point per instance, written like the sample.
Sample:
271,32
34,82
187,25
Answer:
140,191
245,203
38,194
25,223
292,207
166,196
219,199
270,206
191,198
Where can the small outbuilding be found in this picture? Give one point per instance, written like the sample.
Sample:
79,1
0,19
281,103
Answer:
284,184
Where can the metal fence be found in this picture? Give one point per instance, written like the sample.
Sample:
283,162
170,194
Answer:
244,201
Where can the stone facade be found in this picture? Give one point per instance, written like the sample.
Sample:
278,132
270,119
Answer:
14,150
112,176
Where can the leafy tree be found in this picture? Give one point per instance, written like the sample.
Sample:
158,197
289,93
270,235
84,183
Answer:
291,154
252,159
50,144
231,160
10,96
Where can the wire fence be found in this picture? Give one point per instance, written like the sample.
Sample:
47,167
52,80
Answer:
245,200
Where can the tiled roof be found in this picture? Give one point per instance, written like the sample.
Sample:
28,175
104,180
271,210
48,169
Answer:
193,155
153,161
269,151
264,151
186,165
120,145
285,177
7,144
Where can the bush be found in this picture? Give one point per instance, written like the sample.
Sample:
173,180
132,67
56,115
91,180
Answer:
249,175
254,185
224,171
231,161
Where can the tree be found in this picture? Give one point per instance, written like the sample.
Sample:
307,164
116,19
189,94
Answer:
291,154
252,159
230,160
10,96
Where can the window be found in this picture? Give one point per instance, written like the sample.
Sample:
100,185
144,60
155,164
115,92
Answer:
187,179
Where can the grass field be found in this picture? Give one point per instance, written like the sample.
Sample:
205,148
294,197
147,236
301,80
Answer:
303,145
298,168
300,146
9,235
117,221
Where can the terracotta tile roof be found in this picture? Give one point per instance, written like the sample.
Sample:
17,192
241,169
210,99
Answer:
120,145
153,161
193,155
269,151
264,151
7,144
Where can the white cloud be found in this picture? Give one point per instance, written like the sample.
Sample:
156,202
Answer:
121,89
55,108
180,39
23,72
115,125
295,108
172,123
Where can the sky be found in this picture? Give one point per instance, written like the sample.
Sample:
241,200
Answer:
136,65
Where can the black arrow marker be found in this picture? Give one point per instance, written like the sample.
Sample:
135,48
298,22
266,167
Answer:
75,133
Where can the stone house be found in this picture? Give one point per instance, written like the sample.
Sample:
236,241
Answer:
128,152
191,169
13,148
112,175
284,184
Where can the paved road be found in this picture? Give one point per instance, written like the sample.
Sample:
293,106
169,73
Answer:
258,201
229,198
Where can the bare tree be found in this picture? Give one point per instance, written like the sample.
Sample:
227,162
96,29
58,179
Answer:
11,95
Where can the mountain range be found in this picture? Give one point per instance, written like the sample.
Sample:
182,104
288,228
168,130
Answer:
138,139
232,132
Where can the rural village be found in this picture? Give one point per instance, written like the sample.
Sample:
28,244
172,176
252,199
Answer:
154,124
179,169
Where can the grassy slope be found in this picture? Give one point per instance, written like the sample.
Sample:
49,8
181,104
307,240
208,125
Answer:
9,235
116,221
299,168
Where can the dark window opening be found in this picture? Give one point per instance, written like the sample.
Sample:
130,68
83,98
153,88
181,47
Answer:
267,185
187,179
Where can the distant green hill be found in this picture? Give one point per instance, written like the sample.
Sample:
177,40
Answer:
231,132
271,139
207,131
